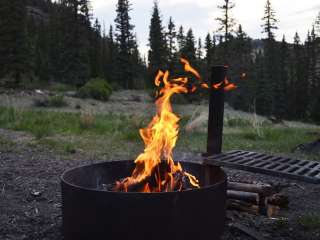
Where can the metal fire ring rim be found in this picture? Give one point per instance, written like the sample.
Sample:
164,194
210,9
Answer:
223,181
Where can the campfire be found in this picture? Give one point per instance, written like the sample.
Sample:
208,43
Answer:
155,169
114,199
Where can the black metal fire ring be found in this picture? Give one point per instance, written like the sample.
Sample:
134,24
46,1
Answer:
91,213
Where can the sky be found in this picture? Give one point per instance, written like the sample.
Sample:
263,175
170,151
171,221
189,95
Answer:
293,15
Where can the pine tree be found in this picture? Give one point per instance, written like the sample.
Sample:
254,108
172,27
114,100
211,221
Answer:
96,51
208,50
316,41
181,38
263,93
171,36
270,21
140,69
226,23
73,27
199,63
299,83
310,63
199,50
271,60
242,63
315,100
312,44
158,56
189,49
281,88
126,42
13,43
317,26
110,53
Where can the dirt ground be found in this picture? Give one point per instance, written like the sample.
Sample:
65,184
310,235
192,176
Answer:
30,204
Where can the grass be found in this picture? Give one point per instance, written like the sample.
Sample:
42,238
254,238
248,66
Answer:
103,134
269,139
46,123
62,146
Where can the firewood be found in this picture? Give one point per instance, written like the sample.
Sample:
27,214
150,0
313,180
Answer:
272,210
242,206
264,189
151,183
279,200
244,196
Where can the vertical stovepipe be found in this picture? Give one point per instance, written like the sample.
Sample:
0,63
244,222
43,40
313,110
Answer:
216,111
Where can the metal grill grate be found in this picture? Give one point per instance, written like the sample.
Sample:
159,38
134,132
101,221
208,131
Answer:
308,171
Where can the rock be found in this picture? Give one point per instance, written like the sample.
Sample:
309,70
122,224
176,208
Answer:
38,91
35,193
312,147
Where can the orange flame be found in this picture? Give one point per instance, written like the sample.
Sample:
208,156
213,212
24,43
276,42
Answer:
188,68
160,138
155,170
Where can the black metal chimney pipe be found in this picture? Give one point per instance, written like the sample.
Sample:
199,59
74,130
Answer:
216,111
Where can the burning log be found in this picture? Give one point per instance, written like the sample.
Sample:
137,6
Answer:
160,180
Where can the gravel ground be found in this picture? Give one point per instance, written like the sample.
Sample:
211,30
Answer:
30,206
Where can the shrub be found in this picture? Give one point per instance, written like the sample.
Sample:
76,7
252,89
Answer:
237,122
87,120
69,148
7,115
57,101
77,106
97,88
53,101
61,87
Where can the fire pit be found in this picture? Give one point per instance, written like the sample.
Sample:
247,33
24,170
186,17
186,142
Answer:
153,197
90,212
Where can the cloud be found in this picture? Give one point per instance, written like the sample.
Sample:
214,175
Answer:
103,3
200,15
306,10
181,3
